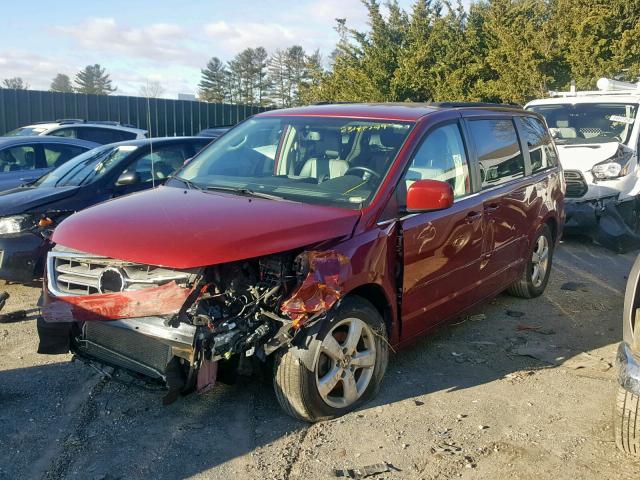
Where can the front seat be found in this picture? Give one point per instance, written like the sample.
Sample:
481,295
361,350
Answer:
327,165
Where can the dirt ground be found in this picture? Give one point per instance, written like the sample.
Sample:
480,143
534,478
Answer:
492,396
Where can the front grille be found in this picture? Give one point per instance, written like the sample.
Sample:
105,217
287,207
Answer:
576,184
80,274
125,348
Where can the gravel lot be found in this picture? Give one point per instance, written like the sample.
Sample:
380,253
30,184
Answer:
465,402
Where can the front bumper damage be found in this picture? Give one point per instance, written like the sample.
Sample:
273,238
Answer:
610,222
178,333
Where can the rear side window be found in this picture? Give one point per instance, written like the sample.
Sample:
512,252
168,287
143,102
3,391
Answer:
499,154
18,158
541,150
56,154
104,135
69,132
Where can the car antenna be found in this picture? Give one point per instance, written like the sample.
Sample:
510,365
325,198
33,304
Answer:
153,170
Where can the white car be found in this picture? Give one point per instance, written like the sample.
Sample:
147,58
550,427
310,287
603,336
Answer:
93,131
597,134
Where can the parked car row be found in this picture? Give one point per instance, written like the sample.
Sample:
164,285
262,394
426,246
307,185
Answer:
29,212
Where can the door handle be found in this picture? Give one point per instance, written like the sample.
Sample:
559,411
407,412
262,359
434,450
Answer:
473,217
492,207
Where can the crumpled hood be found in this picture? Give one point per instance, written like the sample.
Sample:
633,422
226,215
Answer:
584,157
179,228
26,199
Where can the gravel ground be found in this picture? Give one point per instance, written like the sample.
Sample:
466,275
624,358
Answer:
465,402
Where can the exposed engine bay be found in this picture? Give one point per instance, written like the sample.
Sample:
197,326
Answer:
176,326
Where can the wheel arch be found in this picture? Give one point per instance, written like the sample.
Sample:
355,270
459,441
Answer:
376,295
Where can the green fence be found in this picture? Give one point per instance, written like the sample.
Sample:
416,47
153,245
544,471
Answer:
168,117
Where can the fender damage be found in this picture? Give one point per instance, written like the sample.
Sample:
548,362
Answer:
178,332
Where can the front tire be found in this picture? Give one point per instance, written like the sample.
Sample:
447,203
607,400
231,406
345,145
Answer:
535,277
625,421
342,367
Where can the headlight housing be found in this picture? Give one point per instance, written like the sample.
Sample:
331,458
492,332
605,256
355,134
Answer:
615,167
16,224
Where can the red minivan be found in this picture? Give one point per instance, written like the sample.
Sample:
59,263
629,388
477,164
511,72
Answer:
310,239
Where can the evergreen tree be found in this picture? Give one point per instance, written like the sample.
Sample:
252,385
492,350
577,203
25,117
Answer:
61,83
213,85
93,79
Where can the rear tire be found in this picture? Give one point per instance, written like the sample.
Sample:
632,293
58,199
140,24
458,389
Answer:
341,369
625,421
535,276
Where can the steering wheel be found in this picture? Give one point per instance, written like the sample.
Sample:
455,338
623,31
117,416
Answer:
364,169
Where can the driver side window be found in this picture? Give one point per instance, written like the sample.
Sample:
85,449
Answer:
442,157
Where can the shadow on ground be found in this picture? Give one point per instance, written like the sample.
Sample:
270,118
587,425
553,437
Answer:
67,423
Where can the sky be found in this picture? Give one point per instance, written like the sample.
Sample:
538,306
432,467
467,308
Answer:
169,42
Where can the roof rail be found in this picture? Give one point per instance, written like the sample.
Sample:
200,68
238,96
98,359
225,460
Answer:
69,120
474,105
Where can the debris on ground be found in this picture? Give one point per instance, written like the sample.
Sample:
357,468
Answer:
551,354
536,328
446,448
588,361
11,317
363,472
515,313
574,287
4,296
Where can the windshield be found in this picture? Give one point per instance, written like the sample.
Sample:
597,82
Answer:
336,161
87,167
589,122
25,132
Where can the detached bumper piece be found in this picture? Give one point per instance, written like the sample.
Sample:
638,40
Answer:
607,221
628,369
21,257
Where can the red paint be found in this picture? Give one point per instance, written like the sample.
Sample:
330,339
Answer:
164,300
429,195
190,228
450,259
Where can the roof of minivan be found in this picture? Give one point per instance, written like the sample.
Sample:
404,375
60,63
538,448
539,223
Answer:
405,111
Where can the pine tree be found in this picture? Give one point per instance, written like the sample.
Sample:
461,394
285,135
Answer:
61,83
213,84
93,79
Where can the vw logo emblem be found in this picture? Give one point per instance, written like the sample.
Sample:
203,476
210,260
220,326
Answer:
111,280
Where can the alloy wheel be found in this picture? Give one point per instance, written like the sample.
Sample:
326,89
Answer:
540,261
346,362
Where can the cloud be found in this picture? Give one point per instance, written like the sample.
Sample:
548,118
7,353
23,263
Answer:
231,38
104,36
35,69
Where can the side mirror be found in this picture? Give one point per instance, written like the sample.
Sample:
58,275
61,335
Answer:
429,195
128,178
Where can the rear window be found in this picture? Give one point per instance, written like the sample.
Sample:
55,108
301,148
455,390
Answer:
498,151
541,151
104,135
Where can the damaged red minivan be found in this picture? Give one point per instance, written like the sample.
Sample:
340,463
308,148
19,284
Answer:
310,239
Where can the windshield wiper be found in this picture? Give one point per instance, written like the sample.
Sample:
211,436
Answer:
188,183
245,191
